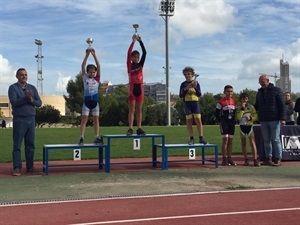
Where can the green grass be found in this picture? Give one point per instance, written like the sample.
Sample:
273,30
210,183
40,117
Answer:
120,148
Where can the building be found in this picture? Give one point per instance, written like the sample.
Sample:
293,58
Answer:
156,91
58,102
284,81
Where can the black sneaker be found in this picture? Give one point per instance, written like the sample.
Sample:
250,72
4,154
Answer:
140,132
80,141
256,163
231,163
129,132
246,163
202,141
98,141
191,141
225,162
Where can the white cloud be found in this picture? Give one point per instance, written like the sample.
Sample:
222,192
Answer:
62,84
7,75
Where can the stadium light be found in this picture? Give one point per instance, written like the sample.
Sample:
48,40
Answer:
166,9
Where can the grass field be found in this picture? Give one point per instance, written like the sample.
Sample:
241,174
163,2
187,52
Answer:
121,148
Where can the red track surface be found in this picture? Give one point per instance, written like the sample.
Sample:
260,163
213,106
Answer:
263,207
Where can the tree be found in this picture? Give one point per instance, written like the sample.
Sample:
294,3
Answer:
208,107
47,114
75,98
156,114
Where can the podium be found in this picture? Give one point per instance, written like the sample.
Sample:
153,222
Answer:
108,138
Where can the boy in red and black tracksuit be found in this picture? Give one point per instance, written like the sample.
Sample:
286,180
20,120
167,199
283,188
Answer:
225,114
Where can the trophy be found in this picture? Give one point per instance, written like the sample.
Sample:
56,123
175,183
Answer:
90,42
135,26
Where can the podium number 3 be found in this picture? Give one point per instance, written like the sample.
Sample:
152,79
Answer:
192,153
136,144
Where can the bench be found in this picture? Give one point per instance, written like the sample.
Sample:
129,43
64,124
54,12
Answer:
50,147
165,150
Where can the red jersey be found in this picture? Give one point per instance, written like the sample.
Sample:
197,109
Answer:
225,110
135,70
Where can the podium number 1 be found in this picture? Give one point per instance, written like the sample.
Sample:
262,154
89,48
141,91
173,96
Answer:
192,153
77,154
136,144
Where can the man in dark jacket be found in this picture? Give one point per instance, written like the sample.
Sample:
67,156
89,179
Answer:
271,111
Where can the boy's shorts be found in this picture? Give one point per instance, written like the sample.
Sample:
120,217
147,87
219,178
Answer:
227,129
246,131
86,110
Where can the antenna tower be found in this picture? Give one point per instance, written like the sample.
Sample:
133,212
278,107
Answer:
39,58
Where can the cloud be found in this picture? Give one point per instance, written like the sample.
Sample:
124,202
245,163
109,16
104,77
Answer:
7,75
196,18
62,83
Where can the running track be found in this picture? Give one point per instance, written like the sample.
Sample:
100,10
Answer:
251,207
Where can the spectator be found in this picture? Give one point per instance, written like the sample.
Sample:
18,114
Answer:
271,112
3,124
289,106
297,110
24,98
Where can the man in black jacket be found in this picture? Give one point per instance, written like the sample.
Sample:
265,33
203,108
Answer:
271,111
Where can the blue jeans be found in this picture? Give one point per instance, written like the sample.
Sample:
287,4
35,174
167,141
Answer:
23,128
271,136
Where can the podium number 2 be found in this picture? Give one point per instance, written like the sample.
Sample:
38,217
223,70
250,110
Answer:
192,153
136,144
77,154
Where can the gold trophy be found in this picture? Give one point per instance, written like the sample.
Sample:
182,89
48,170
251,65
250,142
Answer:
90,42
136,26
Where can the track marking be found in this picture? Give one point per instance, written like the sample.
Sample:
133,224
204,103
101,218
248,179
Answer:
142,196
189,216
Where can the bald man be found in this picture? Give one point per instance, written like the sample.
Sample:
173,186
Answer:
271,111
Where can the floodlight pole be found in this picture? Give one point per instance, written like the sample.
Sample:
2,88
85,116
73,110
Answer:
166,10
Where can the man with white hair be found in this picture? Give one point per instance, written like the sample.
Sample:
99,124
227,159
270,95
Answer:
271,111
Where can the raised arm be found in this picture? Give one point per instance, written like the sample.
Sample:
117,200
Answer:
93,52
87,52
144,52
128,62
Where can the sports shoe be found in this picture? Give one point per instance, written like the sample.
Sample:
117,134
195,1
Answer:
202,141
277,162
246,163
191,141
30,170
230,161
17,172
129,132
256,163
33,171
98,141
225,162
80,141
140,132
267,162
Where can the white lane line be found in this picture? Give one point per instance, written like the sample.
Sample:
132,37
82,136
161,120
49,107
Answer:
144,196
189,216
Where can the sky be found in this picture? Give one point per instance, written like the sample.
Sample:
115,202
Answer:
225,41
